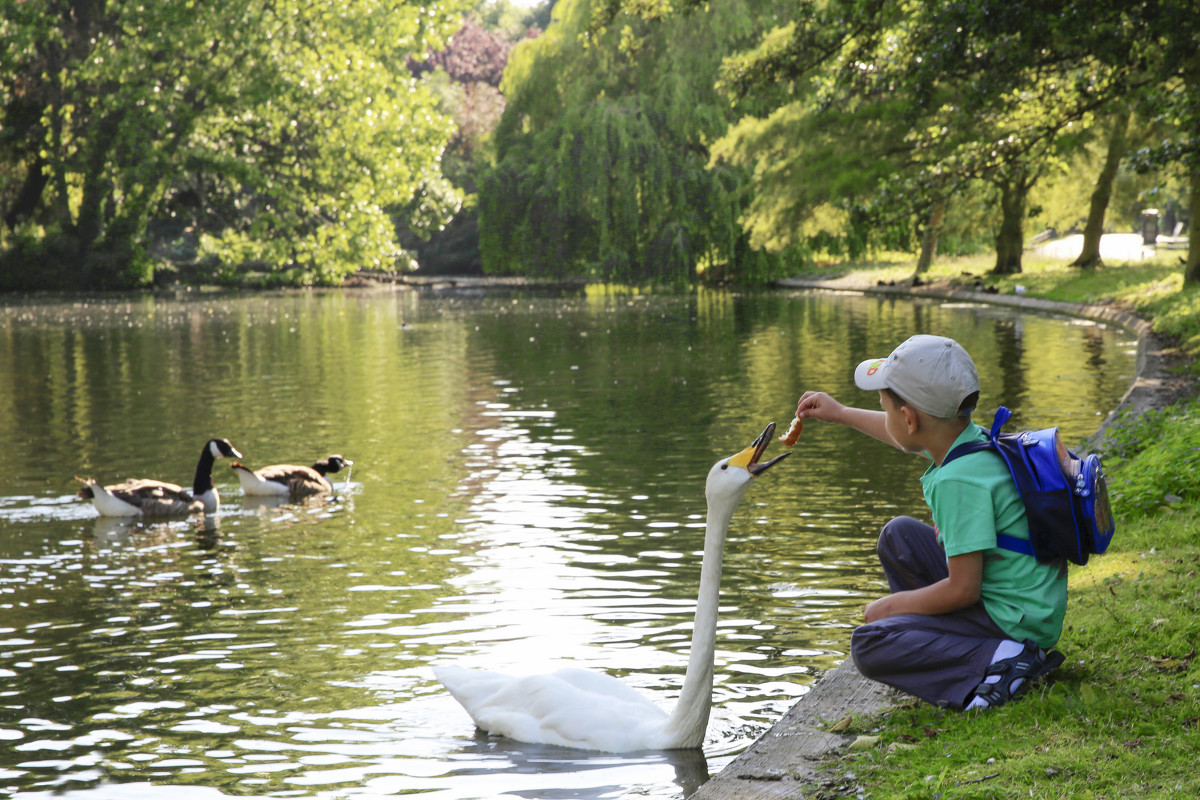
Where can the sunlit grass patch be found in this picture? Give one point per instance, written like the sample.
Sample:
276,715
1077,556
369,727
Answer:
1112,284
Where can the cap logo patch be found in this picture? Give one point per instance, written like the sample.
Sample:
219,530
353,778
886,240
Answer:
871,370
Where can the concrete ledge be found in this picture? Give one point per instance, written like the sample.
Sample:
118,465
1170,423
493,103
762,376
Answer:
792,760
788,761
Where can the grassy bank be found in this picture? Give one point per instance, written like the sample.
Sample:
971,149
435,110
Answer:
1151,288
1121,718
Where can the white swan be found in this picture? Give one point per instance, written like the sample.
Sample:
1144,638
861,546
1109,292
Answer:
594,711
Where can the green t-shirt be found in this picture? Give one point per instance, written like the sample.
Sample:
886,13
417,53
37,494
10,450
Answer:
972,499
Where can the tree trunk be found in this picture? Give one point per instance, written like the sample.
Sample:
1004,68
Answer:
98,195
30,197
1191,270
929,238
1089,256
1010,239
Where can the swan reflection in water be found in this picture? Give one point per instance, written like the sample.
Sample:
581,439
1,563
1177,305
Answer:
690,766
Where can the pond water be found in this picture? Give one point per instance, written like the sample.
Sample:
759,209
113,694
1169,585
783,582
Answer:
527,493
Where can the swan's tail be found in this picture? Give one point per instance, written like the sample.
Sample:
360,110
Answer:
471,687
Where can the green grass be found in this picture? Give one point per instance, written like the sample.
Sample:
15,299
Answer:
1121,718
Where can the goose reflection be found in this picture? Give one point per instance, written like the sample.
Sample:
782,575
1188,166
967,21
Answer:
285,508
121,531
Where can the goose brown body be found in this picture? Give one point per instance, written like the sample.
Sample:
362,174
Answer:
290,480
140,498
144,497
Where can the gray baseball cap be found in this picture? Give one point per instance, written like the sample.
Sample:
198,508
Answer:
933,373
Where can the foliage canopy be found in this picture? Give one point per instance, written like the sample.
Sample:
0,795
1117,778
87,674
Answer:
602,153
890,106
277,133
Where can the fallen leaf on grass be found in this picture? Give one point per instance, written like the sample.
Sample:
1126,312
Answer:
842,724
864,743
1169,664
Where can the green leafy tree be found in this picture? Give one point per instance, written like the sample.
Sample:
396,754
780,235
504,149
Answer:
1178,103
934,97
983,90
280,132
1093,229
602,152
1096,57
465,76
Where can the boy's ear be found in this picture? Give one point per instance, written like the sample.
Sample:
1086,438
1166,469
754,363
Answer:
911,418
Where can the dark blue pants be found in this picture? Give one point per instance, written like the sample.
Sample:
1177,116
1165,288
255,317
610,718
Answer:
940,658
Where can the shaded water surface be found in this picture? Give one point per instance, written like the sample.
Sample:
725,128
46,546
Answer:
527,493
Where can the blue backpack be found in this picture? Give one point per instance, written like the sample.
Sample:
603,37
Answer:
1066,497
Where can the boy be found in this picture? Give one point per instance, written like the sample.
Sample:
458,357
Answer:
968,625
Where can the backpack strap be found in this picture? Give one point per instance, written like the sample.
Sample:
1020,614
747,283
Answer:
1011,543
965,449
1002,416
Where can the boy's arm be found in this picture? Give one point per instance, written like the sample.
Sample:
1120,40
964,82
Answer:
818,405
959,590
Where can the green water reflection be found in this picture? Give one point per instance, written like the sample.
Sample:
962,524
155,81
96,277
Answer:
527,493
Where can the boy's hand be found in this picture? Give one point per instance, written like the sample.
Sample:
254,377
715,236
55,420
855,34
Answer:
878,609
820,406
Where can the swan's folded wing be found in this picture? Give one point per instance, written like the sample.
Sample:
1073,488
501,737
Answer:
602,686
569,708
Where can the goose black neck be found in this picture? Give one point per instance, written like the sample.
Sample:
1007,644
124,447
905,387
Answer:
203,481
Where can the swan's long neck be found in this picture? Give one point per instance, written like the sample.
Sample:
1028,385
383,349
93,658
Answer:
689,720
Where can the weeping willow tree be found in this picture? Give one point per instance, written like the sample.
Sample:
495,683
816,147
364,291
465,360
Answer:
603,151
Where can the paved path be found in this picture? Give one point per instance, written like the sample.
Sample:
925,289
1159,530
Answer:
797,757
1114,248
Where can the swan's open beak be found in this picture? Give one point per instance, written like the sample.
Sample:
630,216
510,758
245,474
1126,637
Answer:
748,458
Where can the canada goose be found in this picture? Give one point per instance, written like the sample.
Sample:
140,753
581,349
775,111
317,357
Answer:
140,497
594,711
290,480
